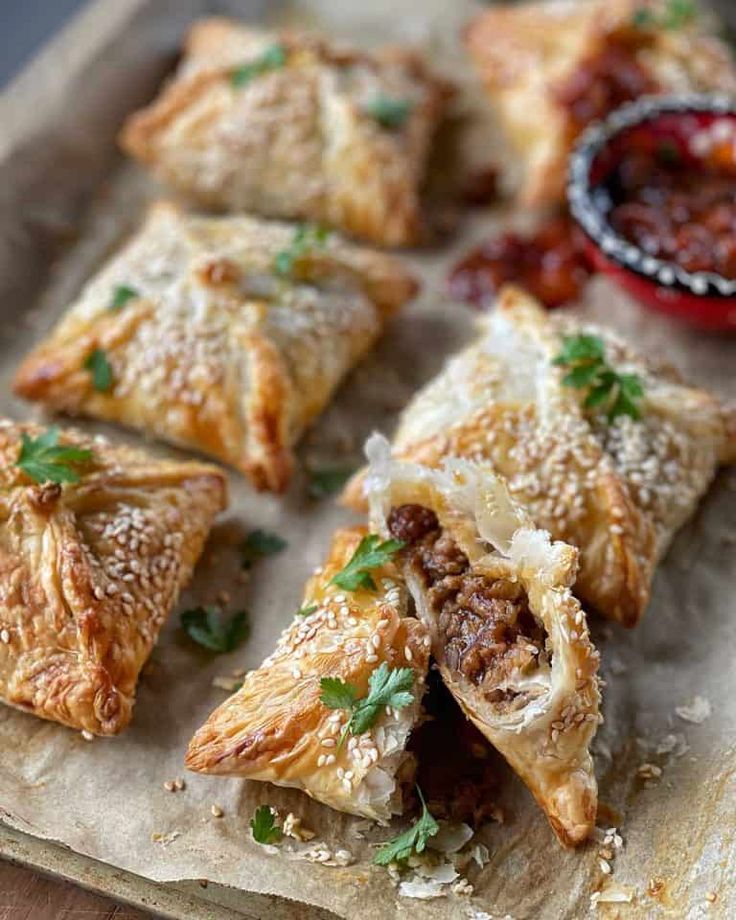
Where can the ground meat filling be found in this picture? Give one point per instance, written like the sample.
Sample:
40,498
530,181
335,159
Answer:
490,633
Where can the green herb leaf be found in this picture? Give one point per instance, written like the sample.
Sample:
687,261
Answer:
410,842
101,371
273,58
307,610
323,483
121,295
306,239
45,460
259,544
204,625
263,826
386,687
336,694
387,111
371,553
585,357
676,14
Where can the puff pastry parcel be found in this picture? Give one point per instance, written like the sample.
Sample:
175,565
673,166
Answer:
89,570
552,67
225,334
618,490
290,126
276,728
510,640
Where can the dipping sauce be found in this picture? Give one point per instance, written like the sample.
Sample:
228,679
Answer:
674,208
550,264
604,80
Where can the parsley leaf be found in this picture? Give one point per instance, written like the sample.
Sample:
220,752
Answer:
675,15
45,460
273,58
204,625
307,610
411,841
259,544
121,295
263,826
370,554
386,687
388,112
323,483
585,358
307,237
101,371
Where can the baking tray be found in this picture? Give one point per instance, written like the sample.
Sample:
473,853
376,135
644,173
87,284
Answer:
66,108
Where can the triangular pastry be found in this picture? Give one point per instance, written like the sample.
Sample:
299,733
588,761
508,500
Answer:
276,728
552,67
90,569
510,640
228,335
292,126
616,489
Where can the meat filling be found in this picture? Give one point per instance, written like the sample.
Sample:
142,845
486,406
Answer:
490,635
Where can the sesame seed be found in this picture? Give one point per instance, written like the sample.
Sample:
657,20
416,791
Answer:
4,636
327,742
216,811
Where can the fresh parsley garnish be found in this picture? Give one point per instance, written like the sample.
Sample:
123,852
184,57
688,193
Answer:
585,358
121,295
258,544
263,826
675,15
323,483
386,687
273,58
205,626
411,841
387,111
45,460
98,365
370,554
307,237
307,610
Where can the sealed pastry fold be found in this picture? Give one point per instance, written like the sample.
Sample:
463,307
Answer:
510,640
277,729
89,572
295,127
228,335
552,67
617,490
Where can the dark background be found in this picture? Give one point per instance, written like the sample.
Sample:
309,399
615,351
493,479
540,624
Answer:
24,27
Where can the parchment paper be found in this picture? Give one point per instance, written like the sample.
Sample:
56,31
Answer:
66,201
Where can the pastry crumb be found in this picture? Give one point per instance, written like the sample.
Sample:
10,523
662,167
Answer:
711,897
87,735
292,827
216,811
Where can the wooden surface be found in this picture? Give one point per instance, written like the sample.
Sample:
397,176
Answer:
26,895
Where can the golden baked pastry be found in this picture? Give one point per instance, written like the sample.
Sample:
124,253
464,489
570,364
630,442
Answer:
617,489
225,334
294,127
552,67
510,640
276,728
96,541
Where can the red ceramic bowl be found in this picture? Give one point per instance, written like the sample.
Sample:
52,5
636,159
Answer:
703,299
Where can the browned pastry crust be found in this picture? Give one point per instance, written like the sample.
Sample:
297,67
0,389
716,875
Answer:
537,701
217,350
527,53
275,728
89,572
295,141
618,491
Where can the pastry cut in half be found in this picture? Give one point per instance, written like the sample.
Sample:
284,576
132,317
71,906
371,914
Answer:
552,67
618,488
277,728
510,640
228,335
294,127
96,541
